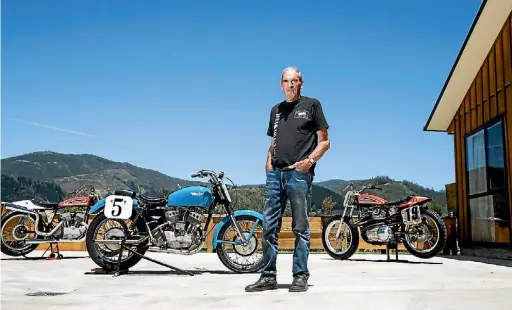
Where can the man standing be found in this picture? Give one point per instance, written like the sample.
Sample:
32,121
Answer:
298,131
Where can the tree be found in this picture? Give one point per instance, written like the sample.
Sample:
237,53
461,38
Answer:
328,205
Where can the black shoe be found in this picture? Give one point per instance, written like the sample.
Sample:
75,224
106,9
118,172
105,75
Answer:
299,284
263,284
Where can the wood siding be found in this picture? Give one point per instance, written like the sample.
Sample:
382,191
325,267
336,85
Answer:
488,98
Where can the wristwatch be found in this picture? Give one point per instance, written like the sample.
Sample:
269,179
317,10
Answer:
311,160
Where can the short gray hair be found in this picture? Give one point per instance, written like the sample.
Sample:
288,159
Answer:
294,69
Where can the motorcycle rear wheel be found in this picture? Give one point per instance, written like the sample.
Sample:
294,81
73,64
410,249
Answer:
23,248
97,254
328,247
441,240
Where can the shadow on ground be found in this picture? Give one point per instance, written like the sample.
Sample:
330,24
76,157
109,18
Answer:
287,286
42,258
477,259
403,261
159,272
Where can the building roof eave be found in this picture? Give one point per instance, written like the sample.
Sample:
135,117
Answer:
487,24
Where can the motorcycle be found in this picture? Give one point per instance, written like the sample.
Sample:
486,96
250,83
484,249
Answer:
380,222
27,223
173,224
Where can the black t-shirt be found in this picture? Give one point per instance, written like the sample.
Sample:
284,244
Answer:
294,126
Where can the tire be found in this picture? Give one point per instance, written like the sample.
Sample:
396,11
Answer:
353,245
438,248
24,250
92,248
223,256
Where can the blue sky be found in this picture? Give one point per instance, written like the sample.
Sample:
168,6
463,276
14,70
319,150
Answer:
161,84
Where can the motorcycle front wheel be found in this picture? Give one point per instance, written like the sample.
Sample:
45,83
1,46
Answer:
242,258
431,232
348,238
16,228
106,255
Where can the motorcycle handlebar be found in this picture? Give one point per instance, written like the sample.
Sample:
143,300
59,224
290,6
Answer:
206,173
363,188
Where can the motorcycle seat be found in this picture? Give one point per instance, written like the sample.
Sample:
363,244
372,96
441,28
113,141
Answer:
51,205
152,200
397,202
47,205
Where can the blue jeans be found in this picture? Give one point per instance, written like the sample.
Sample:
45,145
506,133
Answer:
280,186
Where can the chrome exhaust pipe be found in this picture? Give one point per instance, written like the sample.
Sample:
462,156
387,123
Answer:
130,242
35,241
28,241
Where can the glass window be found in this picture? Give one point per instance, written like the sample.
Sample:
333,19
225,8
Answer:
477,170
487,185
490,218
496,160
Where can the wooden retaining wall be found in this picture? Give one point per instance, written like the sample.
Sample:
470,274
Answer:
286,237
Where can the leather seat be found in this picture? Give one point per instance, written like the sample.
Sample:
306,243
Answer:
397,202
152,200
48,205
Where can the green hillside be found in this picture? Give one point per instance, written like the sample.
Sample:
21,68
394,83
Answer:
395,190
72,171
50,176
254,198
21,188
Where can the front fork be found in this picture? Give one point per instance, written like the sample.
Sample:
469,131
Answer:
345,217
237,228
235,223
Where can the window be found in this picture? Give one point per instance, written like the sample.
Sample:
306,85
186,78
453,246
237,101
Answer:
487,185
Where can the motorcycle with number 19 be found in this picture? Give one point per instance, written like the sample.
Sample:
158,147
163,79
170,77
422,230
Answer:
380,222
173,224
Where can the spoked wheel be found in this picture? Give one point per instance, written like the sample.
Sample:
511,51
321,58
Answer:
427,239
345,244
106,255
242,258
16,228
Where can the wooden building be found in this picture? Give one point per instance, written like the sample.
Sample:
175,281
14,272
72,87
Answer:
475,106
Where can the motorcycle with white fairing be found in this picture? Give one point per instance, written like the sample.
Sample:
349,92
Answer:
28,223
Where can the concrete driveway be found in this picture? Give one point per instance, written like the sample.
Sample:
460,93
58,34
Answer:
365,282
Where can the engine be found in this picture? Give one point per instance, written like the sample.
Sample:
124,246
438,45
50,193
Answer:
182,229
381,233
374,216
74,226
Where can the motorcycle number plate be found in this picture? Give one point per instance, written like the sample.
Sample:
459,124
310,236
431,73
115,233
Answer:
411,215
118,207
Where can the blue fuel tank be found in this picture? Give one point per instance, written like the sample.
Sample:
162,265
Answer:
193,196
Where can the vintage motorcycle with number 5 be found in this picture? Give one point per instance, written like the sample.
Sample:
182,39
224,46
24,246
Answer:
173,224
381,222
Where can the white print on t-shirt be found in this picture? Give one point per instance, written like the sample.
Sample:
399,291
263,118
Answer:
301,114
276,123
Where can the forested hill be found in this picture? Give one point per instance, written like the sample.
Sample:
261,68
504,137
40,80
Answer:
51,176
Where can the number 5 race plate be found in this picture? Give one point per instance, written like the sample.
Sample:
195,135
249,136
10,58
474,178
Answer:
118,207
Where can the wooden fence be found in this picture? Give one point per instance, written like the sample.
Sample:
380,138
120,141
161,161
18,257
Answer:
286,237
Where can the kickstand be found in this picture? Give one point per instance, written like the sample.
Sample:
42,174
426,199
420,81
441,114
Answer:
54,254
118,267
392,247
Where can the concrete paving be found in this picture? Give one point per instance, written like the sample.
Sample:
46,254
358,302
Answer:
365,282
